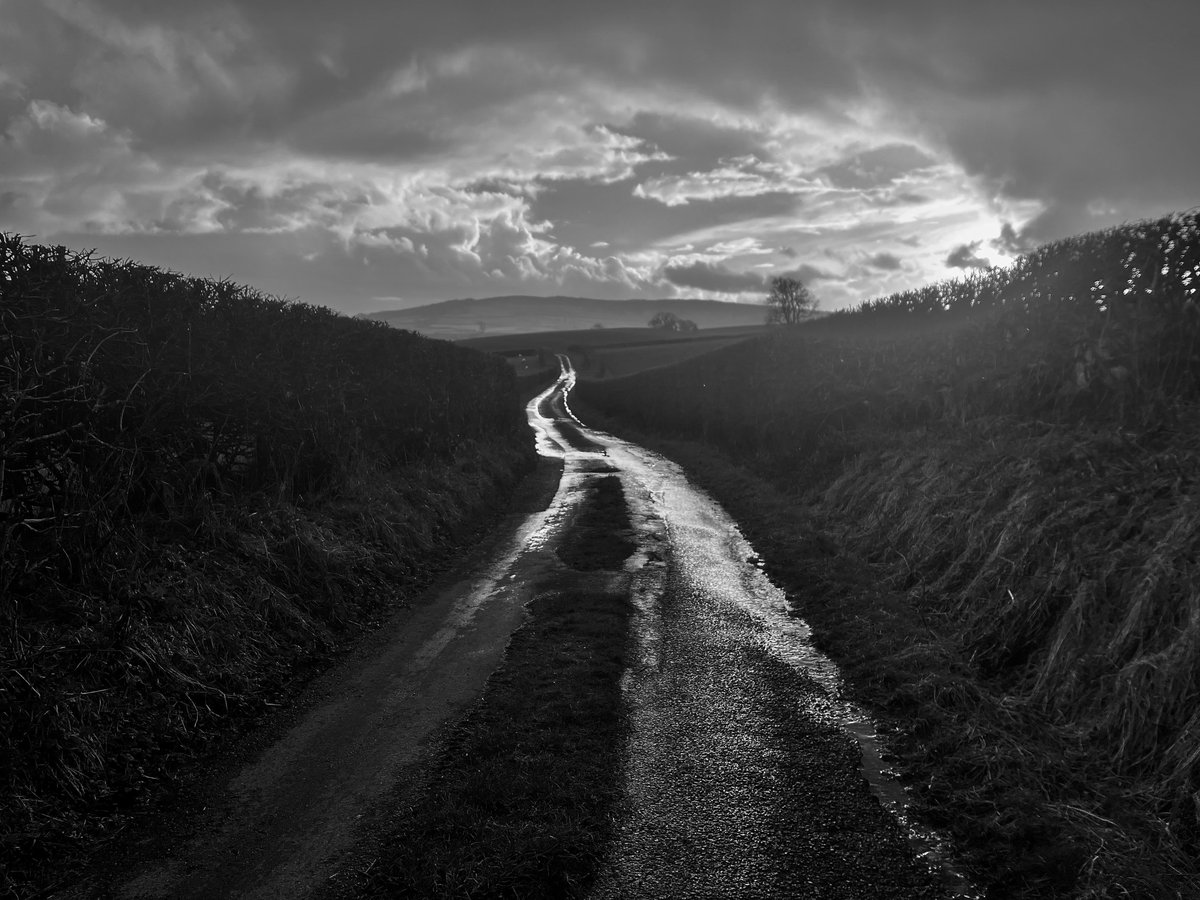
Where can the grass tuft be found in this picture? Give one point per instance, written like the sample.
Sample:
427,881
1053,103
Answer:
522,800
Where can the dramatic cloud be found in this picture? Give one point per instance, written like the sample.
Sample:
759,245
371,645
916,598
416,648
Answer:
746,177
713,277
1078,112
1010,243
809,273
407,153
887,261
966,256
877,166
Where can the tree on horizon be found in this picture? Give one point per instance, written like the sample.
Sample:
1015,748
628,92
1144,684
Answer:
668,321
789,301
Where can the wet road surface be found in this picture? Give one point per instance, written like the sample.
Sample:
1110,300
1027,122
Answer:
744,773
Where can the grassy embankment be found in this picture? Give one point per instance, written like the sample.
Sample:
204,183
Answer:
203,493
982,495
522,799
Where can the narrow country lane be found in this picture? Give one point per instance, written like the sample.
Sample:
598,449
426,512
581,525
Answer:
743,771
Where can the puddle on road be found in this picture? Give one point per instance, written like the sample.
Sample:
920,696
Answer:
659,493
713,544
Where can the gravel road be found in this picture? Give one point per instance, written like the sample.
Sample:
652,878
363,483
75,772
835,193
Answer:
744,765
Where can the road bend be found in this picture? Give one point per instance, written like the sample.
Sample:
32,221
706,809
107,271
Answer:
747,774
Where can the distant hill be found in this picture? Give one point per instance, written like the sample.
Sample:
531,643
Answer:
456,319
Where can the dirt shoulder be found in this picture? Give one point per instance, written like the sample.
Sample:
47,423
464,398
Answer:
521,797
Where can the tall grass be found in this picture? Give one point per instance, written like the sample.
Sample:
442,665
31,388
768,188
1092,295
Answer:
202,490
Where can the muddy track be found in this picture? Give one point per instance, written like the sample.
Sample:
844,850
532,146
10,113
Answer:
739,774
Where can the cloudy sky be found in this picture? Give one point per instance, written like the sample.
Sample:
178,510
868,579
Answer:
373,154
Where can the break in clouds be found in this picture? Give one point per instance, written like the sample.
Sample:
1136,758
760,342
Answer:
372,154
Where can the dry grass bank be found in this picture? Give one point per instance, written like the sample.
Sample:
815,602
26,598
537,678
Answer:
524,793
204,492
1032,799
116,693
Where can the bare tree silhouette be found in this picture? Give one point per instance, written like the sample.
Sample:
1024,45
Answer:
789,301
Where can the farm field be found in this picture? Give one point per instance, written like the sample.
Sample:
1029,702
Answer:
981,496
599,353
468,318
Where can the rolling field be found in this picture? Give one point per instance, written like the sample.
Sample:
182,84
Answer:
600,353
515,315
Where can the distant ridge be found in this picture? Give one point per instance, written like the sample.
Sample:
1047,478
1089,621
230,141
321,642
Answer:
517,314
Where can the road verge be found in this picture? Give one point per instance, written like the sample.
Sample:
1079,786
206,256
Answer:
251,603
521,800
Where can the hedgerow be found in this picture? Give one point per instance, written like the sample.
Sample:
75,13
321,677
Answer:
201,486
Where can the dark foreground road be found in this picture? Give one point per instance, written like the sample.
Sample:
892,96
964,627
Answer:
743,772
